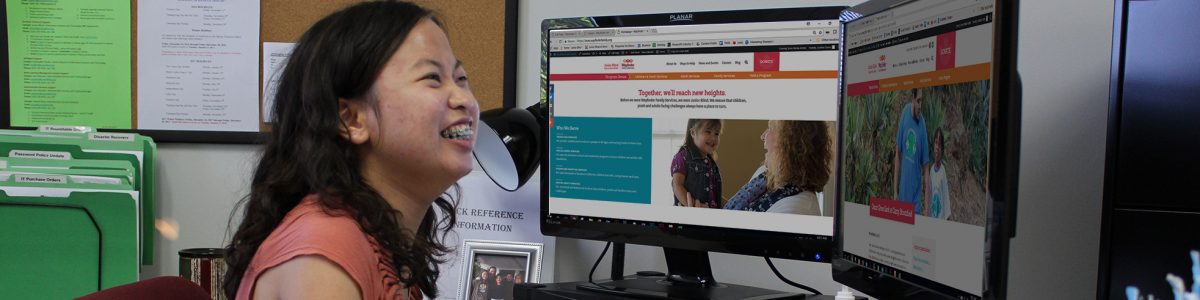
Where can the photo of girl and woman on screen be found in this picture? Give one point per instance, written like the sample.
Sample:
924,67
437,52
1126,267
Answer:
926,146
773,165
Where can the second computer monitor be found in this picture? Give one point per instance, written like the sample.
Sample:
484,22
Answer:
928,153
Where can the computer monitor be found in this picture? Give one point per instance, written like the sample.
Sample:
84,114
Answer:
637,105
1147,246
929,142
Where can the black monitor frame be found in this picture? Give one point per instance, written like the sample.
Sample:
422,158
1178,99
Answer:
1116,81
1003,169
1138,241
688,240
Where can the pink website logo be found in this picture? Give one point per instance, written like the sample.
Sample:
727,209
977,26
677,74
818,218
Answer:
880,66
898,211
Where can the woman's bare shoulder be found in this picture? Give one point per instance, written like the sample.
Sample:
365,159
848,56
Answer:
306,277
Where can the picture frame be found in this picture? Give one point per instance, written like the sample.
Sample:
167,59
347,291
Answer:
513,262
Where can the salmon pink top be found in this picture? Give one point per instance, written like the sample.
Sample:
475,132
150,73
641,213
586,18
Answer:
309,230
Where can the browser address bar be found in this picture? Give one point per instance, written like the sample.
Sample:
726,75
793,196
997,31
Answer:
807,32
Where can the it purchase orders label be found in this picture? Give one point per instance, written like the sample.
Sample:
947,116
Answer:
606,159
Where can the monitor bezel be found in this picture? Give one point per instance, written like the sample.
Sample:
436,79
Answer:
1003,169
1107,208
699,238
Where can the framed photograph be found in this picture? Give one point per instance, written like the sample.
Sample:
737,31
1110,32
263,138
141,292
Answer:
492,268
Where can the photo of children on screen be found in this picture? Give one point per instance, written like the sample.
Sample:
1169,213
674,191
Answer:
795,167
926,146
937,195
695,176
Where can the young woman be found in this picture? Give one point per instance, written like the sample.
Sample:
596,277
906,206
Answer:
374,122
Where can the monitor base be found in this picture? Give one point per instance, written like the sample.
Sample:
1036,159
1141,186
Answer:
660,288
644,287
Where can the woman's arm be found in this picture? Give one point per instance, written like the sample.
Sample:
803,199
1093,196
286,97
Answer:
306,277
753,187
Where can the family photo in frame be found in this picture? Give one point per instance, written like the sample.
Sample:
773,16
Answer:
492,268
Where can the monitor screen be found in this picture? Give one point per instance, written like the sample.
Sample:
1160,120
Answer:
918,113
1149,258
706,131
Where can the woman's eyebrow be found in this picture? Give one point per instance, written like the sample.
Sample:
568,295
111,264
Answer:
436,64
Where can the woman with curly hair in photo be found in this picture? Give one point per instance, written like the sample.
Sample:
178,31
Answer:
796,166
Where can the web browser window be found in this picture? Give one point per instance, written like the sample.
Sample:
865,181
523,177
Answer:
916,141
622,99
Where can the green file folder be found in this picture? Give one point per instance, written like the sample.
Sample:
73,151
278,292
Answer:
121,170
66,247
138,150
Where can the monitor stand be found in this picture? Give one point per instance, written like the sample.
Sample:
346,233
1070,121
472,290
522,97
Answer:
689,276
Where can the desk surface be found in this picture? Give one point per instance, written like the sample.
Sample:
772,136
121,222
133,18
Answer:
568,290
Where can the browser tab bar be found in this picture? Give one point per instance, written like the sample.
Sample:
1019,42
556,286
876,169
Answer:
598,32
916,18
636,31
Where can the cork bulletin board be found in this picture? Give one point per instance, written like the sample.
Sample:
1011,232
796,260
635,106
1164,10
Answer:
476,29
482,33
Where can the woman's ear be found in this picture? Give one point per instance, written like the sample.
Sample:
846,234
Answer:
354,116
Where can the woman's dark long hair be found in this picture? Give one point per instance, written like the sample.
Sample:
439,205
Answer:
339,57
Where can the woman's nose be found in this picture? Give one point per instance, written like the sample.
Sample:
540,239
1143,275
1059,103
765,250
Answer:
463,98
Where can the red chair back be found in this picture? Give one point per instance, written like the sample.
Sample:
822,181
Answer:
165,287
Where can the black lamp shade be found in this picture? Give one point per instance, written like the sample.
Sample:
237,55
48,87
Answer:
517,132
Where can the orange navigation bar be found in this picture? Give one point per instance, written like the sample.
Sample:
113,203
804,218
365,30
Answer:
969,73
823,74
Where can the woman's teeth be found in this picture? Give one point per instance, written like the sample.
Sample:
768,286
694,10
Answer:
458,132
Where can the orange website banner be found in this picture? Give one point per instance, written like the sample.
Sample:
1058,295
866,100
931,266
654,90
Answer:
970,73
821,74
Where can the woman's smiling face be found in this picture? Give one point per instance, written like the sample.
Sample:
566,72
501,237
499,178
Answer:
426,114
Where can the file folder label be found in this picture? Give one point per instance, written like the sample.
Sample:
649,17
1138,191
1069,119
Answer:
40,154
60,179
60,128
95,180
109,136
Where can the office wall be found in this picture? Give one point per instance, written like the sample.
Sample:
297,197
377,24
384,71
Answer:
198,185
1064,59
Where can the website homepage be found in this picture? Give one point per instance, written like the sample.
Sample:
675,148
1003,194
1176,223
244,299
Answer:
696,125
915,151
